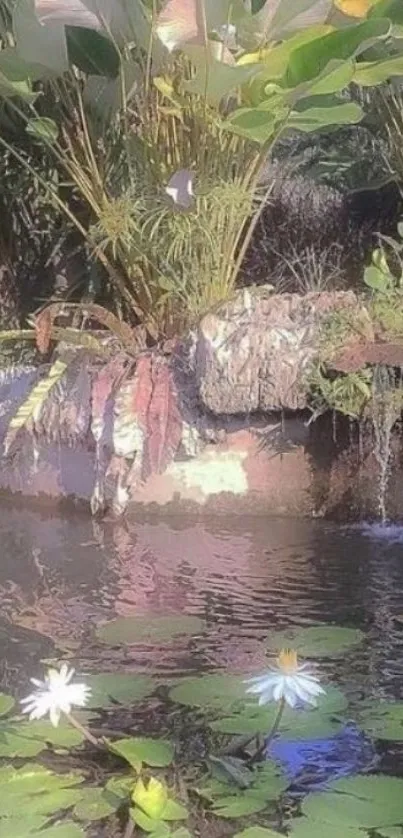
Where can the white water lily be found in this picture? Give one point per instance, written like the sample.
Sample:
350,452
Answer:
289,681
55,695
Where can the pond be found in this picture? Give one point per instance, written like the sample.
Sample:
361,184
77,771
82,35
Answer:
157,602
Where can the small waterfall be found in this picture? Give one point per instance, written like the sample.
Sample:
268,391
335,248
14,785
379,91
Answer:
386,408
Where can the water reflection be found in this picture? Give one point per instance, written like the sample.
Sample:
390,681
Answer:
61,576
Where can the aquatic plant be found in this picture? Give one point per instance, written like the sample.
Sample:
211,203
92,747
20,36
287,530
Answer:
288,681
136,789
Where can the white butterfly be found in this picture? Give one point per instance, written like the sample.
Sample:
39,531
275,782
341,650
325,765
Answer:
180,188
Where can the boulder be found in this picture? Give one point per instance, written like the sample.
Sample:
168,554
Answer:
254,352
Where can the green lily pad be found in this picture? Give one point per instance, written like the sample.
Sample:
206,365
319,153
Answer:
211,692
22,827
258,832
109,688
306,828
95,804
63,830
131,630
174,811
27,739
383,720
366,802
316,641
36,790
154,752
309,722
6,704
238,806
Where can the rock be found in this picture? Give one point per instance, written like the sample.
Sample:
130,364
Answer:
254,352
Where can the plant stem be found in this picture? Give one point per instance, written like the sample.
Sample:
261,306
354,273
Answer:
87,733
129,829
267,742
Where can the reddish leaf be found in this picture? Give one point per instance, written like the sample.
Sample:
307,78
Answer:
164,420
43,329
143,389
103,389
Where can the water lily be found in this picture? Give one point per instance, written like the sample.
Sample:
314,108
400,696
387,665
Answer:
55,695
288,682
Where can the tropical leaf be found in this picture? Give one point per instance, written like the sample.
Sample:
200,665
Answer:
383,720
32,406
36,789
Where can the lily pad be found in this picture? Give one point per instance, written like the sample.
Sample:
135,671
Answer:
62,830
27,739
154,752
238,806
36,790
365,802
309,722
210,692
383,720
110,688
95,804
306,828
316,641
131,630
259,832
6,703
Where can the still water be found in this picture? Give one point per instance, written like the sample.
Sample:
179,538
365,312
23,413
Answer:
61,576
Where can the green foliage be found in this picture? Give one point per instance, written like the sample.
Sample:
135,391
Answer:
206,113
131,630
152,806
349,393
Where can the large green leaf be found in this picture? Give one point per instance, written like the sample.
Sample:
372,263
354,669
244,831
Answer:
370,74
214,79
21,826
92,52
256,124
308,61
16,75
154,752
109,688
37,44
365,802
316,641
383,720
130,630
315,119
